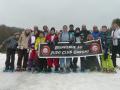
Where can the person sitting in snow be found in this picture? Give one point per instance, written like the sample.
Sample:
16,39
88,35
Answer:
11,46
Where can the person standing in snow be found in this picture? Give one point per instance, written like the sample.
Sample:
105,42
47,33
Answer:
33,62
115,40
92,61
77,38
52,39
71,40
11,46
23,50
64,37
83,33
42,61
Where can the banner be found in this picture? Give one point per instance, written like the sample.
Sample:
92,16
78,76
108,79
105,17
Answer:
65,49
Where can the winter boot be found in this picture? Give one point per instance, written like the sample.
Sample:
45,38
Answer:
6,70
56,69
67,69
62,70
49,69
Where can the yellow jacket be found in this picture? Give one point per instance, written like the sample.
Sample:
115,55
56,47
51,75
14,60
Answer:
38,41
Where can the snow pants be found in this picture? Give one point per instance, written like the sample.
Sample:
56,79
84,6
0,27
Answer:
53,61
10,58
22,57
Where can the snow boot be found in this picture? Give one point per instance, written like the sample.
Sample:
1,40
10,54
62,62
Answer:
6,70
68,70
49,70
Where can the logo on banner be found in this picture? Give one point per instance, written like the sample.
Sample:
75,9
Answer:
95,48
45,50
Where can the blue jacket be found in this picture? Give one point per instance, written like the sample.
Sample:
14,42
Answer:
96,35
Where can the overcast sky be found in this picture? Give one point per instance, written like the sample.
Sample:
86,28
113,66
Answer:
27,13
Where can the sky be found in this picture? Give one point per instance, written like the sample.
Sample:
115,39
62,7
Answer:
27,13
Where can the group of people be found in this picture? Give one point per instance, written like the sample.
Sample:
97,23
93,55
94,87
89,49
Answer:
26,44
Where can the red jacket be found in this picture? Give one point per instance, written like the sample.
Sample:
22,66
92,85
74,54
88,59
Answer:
49,36
33,55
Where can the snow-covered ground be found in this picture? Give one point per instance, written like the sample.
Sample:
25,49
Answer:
55,81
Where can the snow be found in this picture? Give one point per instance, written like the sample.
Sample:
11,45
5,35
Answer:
56,81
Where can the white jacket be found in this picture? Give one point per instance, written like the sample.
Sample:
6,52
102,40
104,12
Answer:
115,36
